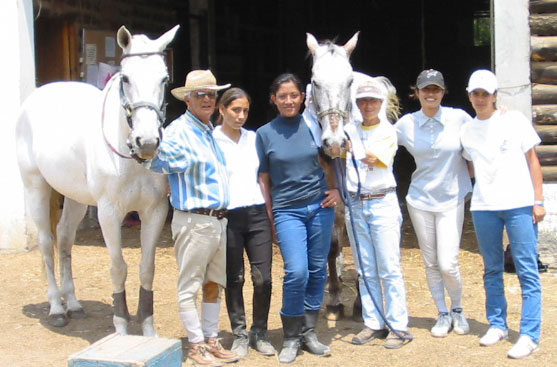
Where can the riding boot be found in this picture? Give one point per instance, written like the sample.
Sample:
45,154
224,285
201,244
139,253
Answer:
236,313
261,305
309,337
292,328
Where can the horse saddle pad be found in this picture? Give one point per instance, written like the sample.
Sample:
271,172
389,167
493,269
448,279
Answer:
129,351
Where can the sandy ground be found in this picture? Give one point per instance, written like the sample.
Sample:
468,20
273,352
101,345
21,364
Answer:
29,341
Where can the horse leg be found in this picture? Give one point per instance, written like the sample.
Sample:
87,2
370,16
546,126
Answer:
37,196
110,218
152,222
357,306
335,309
72,214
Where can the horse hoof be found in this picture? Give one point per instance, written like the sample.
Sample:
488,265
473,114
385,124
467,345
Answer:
76,314
57,320
335,312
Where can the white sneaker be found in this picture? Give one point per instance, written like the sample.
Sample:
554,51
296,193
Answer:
523,347
493,336
442,326
460,324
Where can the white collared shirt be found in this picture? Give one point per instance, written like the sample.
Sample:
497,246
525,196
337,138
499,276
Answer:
242,165
441,180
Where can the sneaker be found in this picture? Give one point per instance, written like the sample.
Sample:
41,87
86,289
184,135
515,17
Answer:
217,350
240,347
367,335
199,355
395,341
460,324
523,347
442,326
260,343
493,336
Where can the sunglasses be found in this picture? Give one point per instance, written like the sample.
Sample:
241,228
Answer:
211,95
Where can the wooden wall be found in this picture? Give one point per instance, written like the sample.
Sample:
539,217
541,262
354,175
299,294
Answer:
543,26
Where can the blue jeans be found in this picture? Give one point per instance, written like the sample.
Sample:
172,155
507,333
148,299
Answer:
304,236
377,223
522,235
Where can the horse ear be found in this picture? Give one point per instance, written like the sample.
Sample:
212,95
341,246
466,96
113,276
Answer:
312,43
351,44
166,38
124,37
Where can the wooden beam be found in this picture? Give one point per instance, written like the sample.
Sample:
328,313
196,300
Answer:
544,72
544,94
543,48
543,6
549,173
545,114
543,24
547,154
547,133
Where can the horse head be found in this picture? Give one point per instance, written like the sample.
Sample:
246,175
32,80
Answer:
143,78
331,80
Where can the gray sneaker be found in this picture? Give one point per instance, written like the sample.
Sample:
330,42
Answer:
442,326
460,324
240,347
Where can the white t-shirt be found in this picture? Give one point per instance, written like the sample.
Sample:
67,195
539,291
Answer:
441,180
379,139
242,165
497,147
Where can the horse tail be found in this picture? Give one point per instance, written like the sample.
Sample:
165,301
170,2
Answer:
393,102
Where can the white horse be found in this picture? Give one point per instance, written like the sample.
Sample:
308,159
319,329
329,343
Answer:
331,81
75,139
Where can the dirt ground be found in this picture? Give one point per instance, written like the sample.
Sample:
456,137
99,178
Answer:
29,341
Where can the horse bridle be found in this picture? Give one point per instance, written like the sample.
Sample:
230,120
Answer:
130,107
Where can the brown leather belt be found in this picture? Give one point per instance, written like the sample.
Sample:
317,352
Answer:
377,195
219,214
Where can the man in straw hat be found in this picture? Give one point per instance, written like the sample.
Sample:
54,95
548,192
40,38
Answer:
199,194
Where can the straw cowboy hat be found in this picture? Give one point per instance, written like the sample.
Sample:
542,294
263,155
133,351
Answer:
198,80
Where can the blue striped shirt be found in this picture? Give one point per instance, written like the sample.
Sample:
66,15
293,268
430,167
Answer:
194,163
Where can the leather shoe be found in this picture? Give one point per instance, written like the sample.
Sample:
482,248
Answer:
260,343
367,335
216,349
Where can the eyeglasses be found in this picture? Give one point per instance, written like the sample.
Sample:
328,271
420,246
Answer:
211,95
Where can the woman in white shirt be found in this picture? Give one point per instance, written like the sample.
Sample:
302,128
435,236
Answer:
248,226
437,193
377,219
508,194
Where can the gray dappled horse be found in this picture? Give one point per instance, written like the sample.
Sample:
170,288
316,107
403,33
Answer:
71,137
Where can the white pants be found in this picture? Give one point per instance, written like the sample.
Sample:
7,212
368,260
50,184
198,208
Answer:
439,236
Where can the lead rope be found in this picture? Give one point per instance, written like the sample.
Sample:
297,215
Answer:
340,174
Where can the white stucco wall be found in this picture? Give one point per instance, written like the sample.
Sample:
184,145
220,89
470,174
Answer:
16,37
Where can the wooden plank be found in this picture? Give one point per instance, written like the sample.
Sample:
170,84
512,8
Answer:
543,48
547,133
545,114
547,154
544,94
544,72
543,24
543,6
549,173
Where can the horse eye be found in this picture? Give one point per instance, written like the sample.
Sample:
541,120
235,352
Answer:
125,79
315,84
165,80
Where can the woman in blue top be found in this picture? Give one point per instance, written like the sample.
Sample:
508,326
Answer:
437,193
300,204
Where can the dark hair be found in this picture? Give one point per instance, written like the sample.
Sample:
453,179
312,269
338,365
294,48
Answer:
414,92
230,96
285,78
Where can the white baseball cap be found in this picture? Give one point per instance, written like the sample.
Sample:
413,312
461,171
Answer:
370,89
482,79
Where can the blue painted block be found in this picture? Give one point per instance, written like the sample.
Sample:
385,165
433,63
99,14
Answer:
129,351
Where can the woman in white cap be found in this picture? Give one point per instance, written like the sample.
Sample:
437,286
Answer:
376,217
507,194
437,193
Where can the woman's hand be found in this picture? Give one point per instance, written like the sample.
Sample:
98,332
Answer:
370,159
333,199
538,213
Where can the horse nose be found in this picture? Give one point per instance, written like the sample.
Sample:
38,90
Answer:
147,147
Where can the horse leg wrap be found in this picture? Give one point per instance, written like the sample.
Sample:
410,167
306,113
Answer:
145,305
120,305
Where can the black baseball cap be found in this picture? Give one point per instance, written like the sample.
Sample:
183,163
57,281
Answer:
430,77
